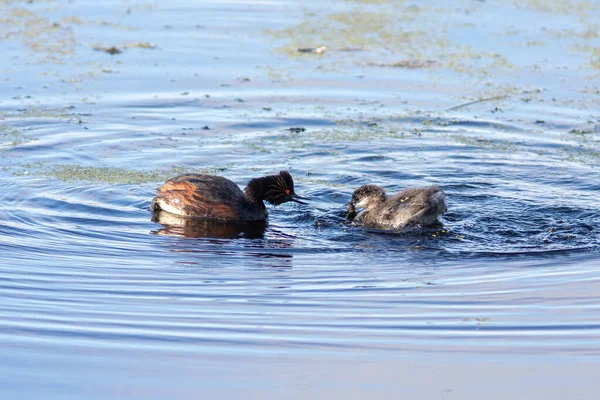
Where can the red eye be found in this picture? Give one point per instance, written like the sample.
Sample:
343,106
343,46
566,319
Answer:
287,191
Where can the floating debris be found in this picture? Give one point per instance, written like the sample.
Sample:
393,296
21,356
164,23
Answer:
315,50
297,129
110,50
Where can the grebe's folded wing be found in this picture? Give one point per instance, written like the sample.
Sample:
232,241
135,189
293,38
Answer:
185,198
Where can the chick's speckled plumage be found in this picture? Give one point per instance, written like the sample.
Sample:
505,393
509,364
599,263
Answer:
410,206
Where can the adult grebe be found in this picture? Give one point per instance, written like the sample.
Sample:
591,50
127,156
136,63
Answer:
217,198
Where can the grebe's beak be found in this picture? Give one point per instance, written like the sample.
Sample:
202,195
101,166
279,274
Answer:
295,198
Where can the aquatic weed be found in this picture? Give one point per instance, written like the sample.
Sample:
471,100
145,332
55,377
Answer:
109,175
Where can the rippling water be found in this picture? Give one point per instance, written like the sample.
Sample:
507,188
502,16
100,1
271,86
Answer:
99,301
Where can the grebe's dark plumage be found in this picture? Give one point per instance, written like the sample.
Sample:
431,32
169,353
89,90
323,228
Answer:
410,206
217,198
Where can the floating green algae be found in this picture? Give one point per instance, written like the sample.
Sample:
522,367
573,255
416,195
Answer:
321,182
38,112
357,28
593,53
581,131
580,8
112,50
320,137
583,145
401,34
407,64
366,34
586,154
109,175
41,35
485,143
11,137
53,41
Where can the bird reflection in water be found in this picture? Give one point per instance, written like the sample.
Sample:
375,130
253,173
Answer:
271,251
198,228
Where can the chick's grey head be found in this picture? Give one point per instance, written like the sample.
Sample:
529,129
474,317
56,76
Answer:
365,197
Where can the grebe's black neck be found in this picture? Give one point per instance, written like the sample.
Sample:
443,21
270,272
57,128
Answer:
275,189
256,189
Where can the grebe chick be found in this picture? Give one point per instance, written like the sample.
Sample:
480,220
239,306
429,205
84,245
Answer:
217,198
407,207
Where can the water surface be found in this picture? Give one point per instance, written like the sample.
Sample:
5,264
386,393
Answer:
98,301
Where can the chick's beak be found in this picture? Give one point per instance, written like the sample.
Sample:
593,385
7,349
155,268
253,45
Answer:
350,207
295,197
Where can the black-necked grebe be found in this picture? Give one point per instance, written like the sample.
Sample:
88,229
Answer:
217,198
408,207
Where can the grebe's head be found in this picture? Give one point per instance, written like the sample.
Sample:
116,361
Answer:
365,197
275,189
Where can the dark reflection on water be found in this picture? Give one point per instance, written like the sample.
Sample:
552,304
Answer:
196,228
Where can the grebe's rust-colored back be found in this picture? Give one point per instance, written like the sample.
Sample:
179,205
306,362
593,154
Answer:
217,198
